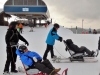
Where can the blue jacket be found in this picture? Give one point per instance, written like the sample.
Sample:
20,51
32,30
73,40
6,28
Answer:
26,60
52,35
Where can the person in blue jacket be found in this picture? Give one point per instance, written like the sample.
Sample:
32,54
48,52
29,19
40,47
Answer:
33,59
52,36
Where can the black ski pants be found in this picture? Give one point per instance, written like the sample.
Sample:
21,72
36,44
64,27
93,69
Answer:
21,29
45,67
84,49
49,48
11,59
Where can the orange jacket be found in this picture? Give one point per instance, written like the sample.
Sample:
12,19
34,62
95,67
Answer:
20,25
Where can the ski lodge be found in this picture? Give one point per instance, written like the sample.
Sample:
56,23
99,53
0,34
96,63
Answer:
32,10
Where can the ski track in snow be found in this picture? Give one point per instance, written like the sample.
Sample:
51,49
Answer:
37,43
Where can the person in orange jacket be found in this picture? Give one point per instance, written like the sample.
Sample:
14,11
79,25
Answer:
45,25
21,27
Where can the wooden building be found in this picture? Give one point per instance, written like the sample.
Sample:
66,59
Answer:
4,16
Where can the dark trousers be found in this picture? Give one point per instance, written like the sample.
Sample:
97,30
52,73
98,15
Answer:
21,29
45,67
49,48
11,58
84,49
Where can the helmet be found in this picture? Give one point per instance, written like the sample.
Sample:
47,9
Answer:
22,48
56,25
13,24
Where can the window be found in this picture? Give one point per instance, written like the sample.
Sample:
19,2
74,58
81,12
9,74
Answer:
9,2
18,2
25,2
32,2
40,2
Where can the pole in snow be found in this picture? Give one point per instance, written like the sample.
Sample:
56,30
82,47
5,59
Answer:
76,29
82,24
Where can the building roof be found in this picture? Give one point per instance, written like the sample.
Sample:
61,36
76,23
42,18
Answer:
27,8
5,15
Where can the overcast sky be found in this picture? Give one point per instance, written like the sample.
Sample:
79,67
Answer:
71,12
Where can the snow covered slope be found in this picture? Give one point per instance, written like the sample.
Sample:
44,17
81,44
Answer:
37,43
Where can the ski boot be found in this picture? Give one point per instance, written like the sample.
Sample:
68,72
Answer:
6,73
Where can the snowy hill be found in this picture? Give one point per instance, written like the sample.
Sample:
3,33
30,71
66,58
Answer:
37,43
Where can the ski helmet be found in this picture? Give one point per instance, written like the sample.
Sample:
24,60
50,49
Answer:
56,25
13,24
22,48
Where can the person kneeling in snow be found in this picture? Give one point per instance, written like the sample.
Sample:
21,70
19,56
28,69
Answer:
33,59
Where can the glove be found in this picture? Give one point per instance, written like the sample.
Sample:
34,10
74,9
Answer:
35,59
60,39
26,43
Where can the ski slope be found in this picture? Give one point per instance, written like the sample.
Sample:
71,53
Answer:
37,43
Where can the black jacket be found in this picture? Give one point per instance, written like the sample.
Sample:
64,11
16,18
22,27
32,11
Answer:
13,35
99,44
72,46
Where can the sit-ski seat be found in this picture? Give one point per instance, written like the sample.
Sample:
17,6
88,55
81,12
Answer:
78,54
30,71
72,53
74,56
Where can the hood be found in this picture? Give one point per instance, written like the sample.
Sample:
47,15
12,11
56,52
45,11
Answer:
69,42
54,29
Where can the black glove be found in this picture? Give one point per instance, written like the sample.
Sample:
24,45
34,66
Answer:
26,43
60,39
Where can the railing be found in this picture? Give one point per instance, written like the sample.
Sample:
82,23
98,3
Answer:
25,2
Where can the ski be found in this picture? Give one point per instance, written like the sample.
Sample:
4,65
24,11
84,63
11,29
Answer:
19,73
70,60
23,71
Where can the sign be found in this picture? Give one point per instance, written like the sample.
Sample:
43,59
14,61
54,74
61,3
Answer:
25,9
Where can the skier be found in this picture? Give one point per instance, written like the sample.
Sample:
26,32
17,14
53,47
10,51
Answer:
35,60
11,38
89,30
76,49
94,31
52,35
31,25
21,27
99,44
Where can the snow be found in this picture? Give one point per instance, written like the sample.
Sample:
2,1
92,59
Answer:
37,43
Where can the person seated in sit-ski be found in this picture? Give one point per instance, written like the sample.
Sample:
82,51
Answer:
33,59
76,49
